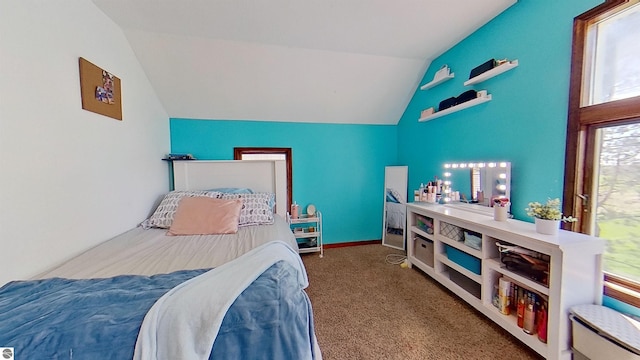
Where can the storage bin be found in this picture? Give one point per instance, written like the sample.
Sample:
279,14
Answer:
473,239
451,231
464,282
423,250
463,259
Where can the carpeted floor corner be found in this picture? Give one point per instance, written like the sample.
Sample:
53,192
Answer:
365,308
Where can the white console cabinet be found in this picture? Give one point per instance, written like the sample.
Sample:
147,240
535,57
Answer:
574,277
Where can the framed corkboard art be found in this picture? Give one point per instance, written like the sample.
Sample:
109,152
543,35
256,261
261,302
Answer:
100,90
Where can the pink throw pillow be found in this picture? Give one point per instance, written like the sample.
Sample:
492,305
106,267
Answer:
203,215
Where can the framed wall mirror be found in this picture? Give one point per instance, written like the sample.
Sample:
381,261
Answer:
395,199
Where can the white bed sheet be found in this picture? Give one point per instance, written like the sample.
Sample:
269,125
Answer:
149,252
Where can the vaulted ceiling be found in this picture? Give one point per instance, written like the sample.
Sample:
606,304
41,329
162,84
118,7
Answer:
336,61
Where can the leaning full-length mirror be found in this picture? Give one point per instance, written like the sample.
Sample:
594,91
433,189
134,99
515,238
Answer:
395,199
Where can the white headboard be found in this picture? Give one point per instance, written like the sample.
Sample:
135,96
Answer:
258,175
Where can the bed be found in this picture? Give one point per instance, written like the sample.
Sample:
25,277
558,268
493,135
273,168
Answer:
147,293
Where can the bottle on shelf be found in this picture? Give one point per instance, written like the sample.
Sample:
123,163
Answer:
496,296
520,310
529,324
294,210
504,286
541,320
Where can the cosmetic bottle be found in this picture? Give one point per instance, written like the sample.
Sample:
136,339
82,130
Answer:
541,320
504,287
520,311
529,317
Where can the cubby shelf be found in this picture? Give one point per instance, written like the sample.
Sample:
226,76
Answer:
574,268
434,82
495,265
453,109
452,264
509,65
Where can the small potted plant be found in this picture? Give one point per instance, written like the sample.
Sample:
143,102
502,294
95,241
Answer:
548,216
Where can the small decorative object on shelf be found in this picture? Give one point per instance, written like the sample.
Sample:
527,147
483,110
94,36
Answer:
426,112
483,68
441,76
482,97
498,68
311,209
170,157
548,216
501,209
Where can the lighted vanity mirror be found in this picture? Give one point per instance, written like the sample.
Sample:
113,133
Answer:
479,182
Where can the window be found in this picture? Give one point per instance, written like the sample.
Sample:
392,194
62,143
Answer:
611,69
260,153
603,139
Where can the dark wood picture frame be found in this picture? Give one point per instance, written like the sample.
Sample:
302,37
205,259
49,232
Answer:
91,77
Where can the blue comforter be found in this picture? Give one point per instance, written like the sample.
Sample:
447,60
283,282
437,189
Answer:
100,318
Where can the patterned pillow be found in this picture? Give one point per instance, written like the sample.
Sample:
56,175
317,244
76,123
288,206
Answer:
163,216
257,208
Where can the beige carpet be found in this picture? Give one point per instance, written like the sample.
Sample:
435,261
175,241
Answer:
367,309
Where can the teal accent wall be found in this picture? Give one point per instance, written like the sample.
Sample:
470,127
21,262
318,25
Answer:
526,121
337,167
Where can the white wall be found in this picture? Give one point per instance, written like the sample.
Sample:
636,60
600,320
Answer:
70,178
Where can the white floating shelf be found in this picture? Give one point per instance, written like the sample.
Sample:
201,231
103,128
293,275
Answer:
451,110
491,73
437,82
